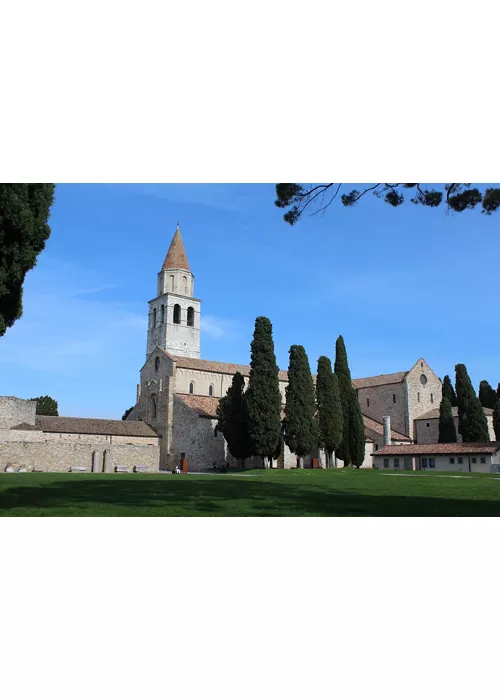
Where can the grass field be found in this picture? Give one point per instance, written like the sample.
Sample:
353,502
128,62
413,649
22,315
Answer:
341,492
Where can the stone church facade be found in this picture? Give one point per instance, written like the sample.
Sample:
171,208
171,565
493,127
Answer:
179,391
177,398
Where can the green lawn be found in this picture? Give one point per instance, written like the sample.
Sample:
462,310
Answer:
255,493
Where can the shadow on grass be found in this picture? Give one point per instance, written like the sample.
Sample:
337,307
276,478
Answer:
167,496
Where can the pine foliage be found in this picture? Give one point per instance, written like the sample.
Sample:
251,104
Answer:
300,429
447,430
263,394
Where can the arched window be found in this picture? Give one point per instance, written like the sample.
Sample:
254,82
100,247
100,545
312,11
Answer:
171,283
184,285
211,390
152,407
190,316
177,313
162,313
157,364
191,388
153,320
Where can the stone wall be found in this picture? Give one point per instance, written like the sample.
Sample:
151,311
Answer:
385,400
14,411
424,392
427,431
54,452
195,436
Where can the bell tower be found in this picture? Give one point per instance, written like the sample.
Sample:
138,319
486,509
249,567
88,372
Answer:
174,315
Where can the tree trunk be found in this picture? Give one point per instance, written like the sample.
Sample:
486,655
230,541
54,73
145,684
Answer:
265,461
334,461
242,462
301,463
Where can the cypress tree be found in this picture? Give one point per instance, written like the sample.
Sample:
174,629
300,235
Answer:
330,416
300,427
47,406
356,430
24,229
487,395
447,430
496,420
476,423
345,386
498,392
232,414
465,392
263,394
449,391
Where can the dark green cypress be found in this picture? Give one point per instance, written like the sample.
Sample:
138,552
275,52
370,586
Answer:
498,392
263,393
496,420
330,417
487,395
24,229
476,423
232,414
345,392
447,430
300,429
356,431
465,392
46,406
449,391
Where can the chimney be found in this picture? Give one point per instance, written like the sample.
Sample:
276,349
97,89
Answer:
387,430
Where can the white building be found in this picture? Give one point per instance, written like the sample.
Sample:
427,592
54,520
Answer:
451,457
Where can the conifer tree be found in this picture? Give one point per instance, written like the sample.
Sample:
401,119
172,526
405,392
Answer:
330,416
449,391
465,392
498,392
356,431
46,406
496,420
263,393
24,229
300,429
447,430
487,395
345,385
232,414
475,423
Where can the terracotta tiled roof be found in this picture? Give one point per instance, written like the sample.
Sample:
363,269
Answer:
220,367
94,426
379,380
205,406
434,413
379,428
441,448
176,256
25,426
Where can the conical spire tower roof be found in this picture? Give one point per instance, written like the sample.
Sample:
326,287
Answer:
176,256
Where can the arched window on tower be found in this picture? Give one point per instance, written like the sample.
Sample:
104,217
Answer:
154,319
152,407
191,388
190,319
162,313
177,313
211,390
184,285
171,283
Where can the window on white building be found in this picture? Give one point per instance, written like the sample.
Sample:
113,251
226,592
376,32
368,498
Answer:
211,390
423,462
432,462
452,460
483,460
191,388
386,463
474,460
460,460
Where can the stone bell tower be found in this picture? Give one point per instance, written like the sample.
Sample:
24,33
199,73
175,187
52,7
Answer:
174,315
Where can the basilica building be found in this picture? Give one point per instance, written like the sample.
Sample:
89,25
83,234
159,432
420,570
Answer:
179,391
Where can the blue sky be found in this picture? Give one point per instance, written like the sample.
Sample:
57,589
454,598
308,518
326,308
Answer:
396,283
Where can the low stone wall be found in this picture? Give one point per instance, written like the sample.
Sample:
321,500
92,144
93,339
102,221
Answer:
53,456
